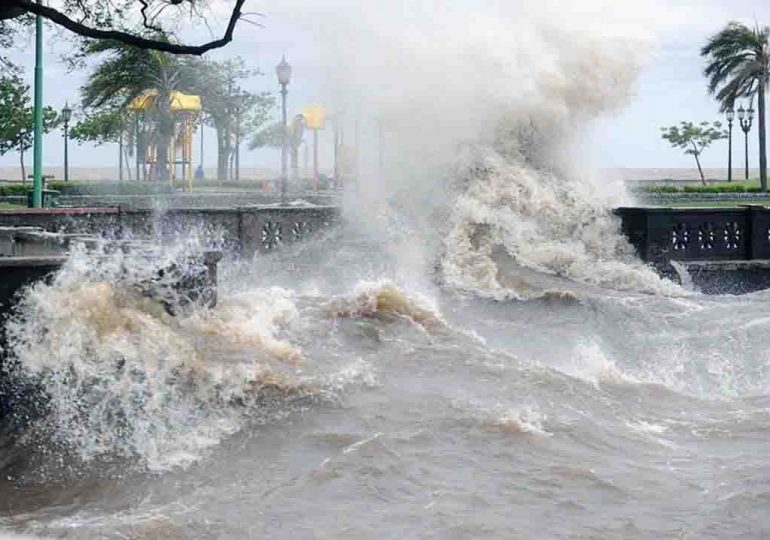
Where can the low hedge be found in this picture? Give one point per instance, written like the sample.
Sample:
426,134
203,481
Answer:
18,190
109,188
661,189
736,188
90,188
702,189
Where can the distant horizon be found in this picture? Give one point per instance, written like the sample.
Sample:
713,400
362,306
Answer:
670,87
250,173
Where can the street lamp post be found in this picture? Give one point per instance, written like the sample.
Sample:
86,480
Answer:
283,71
201,160
120,151
297,134
238,100
37,168
746,117
66,115
241,101
315,118
730,117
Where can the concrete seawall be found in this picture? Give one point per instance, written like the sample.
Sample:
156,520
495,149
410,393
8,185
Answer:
246,230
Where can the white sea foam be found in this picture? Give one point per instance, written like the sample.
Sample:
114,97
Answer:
125,378
478,116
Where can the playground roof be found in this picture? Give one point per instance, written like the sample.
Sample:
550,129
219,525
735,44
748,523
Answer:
179,101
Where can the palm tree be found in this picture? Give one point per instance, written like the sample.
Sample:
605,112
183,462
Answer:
738,66
126,73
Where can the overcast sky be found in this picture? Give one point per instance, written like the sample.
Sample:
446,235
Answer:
669,88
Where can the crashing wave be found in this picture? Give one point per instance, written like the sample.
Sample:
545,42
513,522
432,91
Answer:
382,299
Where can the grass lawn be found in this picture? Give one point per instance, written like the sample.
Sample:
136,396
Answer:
717,204
736,186
750,183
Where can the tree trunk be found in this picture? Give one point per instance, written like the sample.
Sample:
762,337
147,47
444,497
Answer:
127,157
120,156
295,163
232,166
166,127
21,160
161,160
697,160
762,137
222,154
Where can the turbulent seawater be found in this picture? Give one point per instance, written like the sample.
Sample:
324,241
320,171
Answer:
325,398
475,352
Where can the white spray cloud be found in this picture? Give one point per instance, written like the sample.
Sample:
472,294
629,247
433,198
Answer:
471,113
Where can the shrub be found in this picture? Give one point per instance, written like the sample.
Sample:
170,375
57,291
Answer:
18,190
735,188
109,188
703,189
661,189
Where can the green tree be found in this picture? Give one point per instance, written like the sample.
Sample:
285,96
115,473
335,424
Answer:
125,73
694,139
17,118
738,65
271,136
233,113
103,127
98,129
9,33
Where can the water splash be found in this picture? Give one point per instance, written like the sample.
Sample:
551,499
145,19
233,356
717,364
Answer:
124,378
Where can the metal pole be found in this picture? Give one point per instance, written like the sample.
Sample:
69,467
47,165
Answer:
730,153
746,137
137,142
340,169
357,146
120,154
380,145
238,146
66,151
315,160
37,186
336,151
285,142
202,142
746,128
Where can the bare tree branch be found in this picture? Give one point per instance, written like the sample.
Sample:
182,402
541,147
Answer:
61,19
149,24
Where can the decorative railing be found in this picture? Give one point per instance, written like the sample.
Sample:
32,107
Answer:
247,229
271,228
703,234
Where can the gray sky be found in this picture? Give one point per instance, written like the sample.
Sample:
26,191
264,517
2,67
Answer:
669,88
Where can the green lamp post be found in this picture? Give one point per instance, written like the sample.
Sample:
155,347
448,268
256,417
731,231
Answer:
66,115
37,172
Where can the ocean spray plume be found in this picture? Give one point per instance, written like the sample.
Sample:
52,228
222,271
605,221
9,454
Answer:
443,92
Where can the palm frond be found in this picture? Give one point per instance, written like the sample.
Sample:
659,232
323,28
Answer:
737,62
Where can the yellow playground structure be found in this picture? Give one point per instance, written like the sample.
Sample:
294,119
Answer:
185,110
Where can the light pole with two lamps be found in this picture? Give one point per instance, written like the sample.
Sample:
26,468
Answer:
66,115
746,117
283,71
315,118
